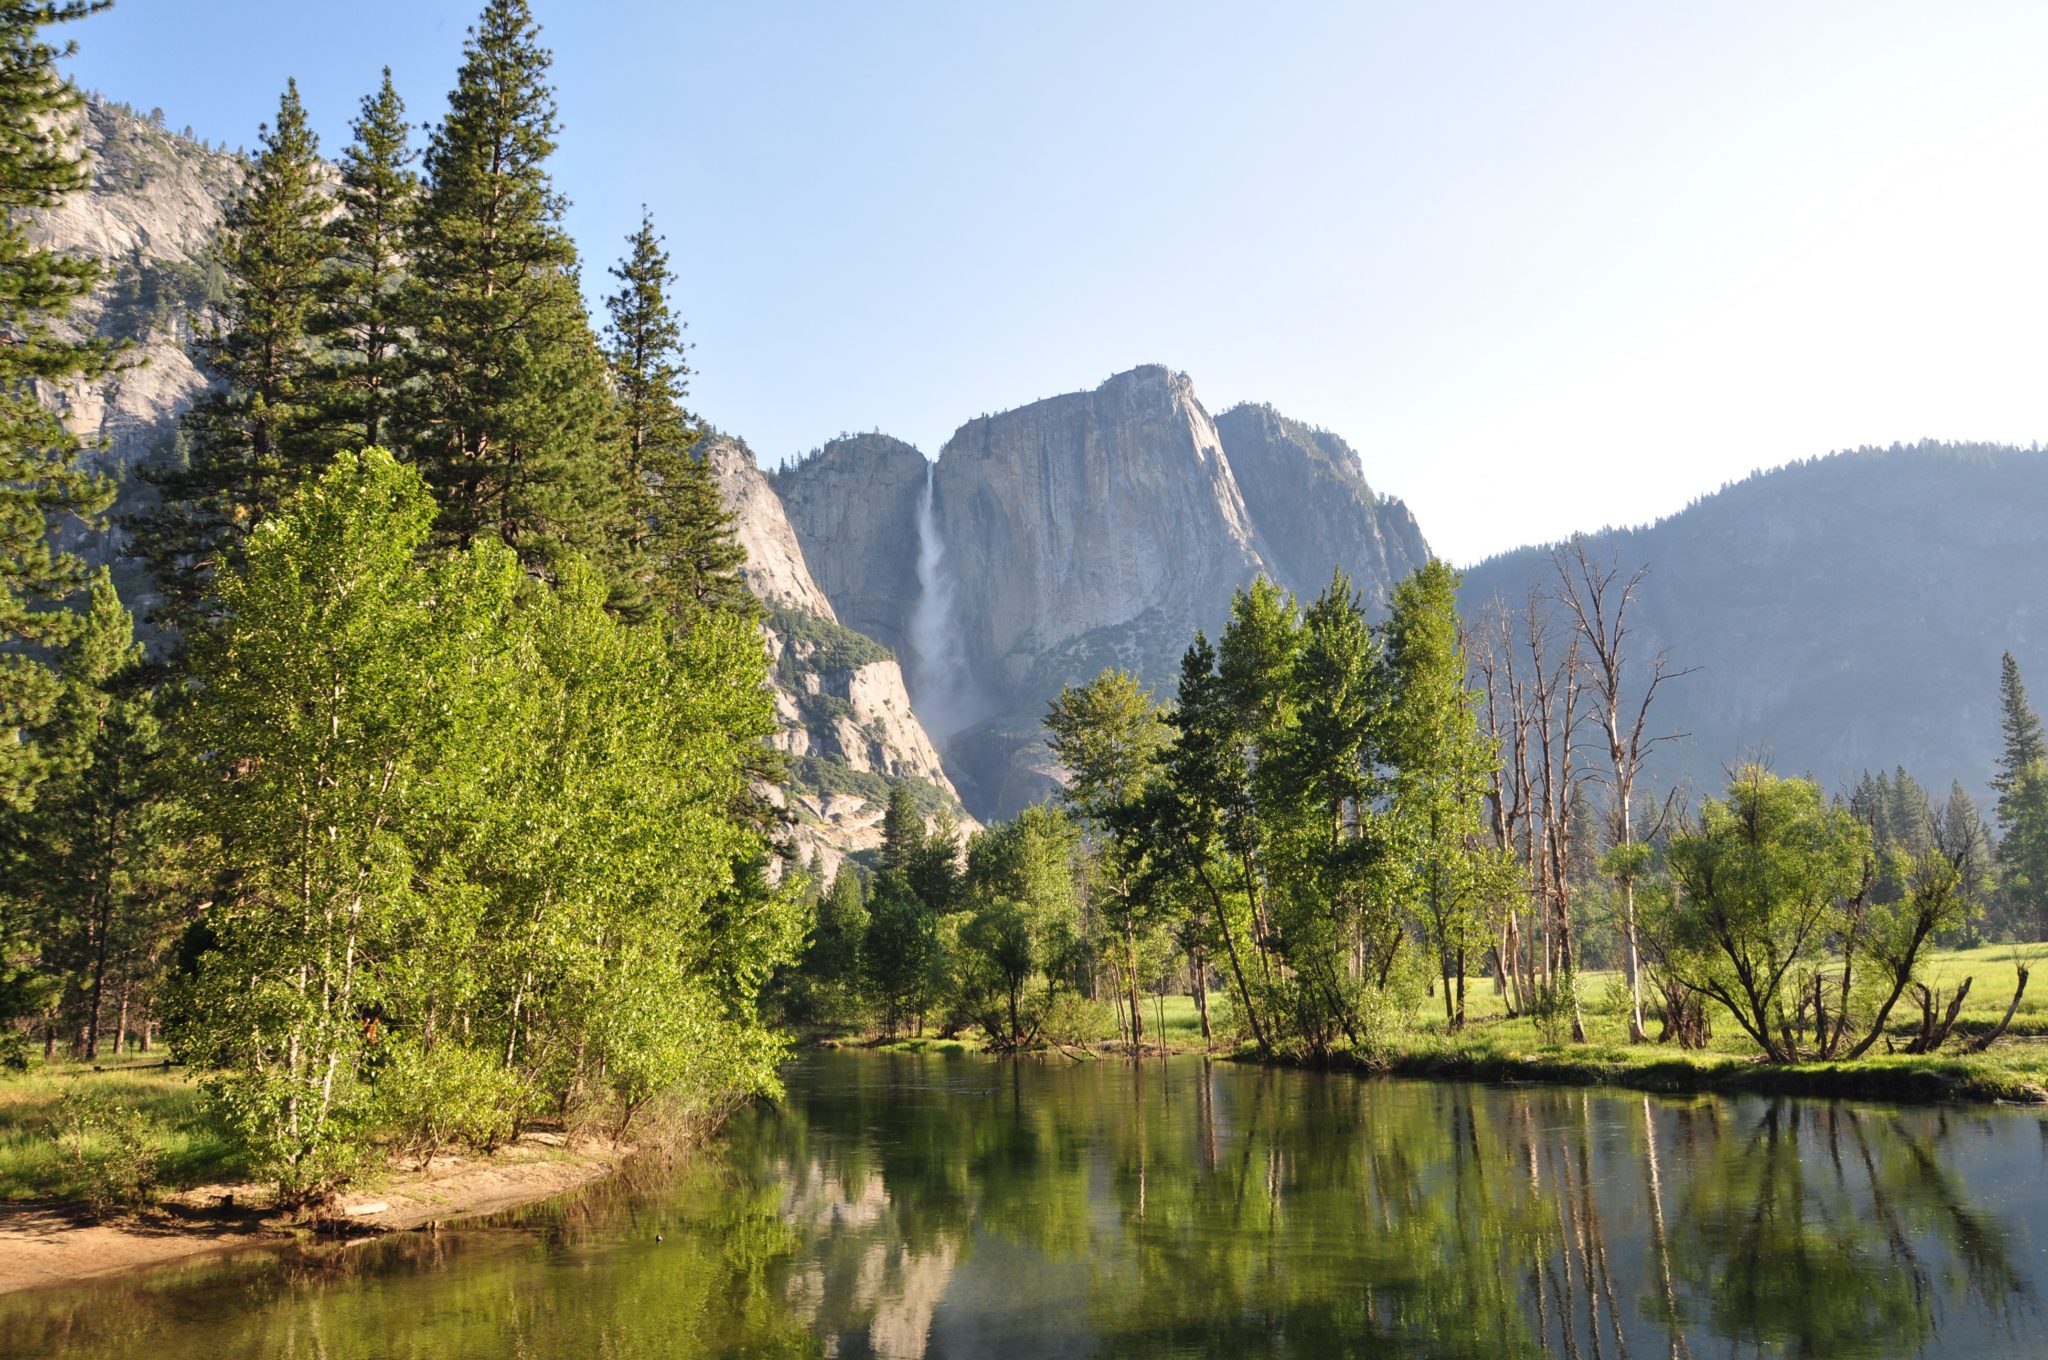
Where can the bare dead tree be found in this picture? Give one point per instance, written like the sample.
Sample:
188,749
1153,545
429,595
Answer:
1555,686
1507,728
1599,603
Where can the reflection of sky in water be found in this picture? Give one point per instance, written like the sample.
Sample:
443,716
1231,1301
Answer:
958,1207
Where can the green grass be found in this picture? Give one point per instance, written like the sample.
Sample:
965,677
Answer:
36,1164
1494,1047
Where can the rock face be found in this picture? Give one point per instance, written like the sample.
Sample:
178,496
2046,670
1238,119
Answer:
1091,529
853,505
1082,513
846,716
152,210
1844,613
775,571
1306,490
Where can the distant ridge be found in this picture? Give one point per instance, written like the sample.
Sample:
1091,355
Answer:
1845,612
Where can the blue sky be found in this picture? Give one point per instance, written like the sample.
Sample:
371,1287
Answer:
1546,266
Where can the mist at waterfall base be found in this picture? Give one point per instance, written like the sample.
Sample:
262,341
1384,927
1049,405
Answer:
938,666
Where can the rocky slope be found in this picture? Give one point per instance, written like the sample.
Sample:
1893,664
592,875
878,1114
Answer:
853,505
846,717
153,207
1844,613
1089,529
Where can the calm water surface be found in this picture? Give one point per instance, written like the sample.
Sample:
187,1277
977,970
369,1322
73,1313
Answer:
956,1207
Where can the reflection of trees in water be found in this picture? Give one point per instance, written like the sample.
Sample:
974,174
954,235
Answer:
1173,1209
1826,1230
1260,1212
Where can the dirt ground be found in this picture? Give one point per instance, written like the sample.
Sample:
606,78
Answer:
51,1245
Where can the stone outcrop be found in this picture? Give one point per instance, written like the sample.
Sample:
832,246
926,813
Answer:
1087,512
775,570
853,504
1306,491
847,722
153,208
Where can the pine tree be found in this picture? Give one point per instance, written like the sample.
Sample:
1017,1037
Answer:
254,439
91,856
2025,744
45,487
1960,834
2022,812
680,542
903,833
513,422
358,317
832,961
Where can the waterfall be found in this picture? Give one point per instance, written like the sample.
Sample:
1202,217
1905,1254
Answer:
936,660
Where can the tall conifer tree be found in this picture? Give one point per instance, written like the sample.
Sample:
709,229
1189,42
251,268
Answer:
513,422
2022,784
42,486
682,551
2025,744
88,857
256,437
358,317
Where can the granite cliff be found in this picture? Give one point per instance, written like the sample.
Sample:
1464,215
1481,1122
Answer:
1085,530
152,210
845,715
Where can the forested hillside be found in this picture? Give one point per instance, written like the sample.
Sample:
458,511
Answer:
1840,614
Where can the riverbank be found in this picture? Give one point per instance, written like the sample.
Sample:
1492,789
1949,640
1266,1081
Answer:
70,1133
2006,1076
55,1243
1504,1051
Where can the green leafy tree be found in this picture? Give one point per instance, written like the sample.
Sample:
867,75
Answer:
630,931
48,491
1761,877
1441,762
358,317
1197,820
934,868
473,841
898,951
1023,923
330,699
1338,914
679,537
511,417
255,439
1109,735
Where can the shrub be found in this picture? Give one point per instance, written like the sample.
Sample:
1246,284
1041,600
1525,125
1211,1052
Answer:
1552,1008
113,1148
447,1096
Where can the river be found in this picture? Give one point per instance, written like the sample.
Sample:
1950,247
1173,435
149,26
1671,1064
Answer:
956,1206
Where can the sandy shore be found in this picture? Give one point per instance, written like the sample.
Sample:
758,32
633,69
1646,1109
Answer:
50,1245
